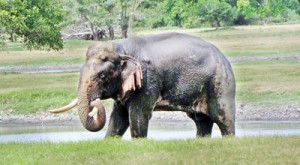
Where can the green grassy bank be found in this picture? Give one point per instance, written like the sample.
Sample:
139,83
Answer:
268,83
250,150
14,54
280,40
31,93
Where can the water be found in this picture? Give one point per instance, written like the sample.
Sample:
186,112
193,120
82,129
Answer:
157,131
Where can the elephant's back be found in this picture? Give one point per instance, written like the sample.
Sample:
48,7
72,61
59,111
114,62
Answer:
182,51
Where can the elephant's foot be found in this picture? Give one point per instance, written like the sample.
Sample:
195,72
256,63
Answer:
203,123
227,127
139,127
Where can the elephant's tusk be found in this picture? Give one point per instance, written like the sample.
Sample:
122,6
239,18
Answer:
65,108
94,113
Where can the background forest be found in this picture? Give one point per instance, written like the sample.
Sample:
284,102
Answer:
40,24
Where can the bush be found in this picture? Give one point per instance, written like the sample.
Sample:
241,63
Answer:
160,22
241,20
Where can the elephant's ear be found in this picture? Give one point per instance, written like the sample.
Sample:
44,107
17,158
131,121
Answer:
132,76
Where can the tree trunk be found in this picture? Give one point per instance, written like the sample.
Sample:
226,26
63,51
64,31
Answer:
133,10
216,24
266,21
124,30
111,32
124,19
11,34
94,32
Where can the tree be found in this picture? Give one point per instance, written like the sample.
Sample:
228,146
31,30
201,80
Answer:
215,12
124,17
245,8
263,9
109,6
96,14
153,14
180,13
270,8
36,22
175,10
88,11
128,8
232,2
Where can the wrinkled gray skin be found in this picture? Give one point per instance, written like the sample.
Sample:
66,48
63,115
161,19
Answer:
180,73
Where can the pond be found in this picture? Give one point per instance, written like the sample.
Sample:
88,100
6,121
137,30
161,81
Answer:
157,131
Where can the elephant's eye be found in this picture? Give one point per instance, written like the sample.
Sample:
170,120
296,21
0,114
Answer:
102,76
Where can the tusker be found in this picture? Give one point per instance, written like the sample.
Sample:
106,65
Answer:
166,72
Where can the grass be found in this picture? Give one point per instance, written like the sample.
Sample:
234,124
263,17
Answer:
31,93
256,41
251,150
271,40
73,53
268,82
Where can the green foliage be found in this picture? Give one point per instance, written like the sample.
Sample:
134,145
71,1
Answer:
36,22
265,10
215,12
155,15
270,8
245,8
190,14
196,13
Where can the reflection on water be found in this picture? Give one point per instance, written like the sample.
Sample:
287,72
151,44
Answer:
158,131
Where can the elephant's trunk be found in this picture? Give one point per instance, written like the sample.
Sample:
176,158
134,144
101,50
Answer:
92,119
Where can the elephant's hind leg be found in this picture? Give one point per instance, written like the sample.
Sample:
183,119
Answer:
222,112
221,106
203,124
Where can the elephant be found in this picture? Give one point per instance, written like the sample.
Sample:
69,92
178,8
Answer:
163,72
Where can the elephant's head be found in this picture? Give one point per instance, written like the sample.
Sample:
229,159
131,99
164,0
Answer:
106,74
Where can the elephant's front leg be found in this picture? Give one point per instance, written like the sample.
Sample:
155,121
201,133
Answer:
139,122
119,121
140,112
